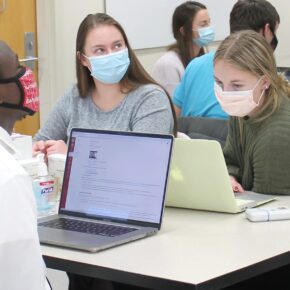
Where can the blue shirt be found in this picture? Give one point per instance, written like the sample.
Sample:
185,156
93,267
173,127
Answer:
195,94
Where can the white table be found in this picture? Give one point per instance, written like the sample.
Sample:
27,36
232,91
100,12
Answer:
193,250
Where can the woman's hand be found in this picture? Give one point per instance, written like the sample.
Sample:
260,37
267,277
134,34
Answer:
38,147
235,185
49,147
55,146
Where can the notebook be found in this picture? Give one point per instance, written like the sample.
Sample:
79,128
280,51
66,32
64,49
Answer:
113,190
199,180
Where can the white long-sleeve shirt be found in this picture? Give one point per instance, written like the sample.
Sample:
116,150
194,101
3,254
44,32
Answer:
168,71
21,264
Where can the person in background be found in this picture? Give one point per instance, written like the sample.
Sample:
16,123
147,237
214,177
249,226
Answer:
249,89
21,263
194,96
192,31
113,90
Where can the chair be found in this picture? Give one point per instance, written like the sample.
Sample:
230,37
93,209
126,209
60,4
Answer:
204,128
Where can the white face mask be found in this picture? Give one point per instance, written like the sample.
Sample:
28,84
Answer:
237,103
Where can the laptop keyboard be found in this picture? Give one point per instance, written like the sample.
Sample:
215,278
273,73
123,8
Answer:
87,227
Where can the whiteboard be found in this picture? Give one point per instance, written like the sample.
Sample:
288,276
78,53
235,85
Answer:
147,23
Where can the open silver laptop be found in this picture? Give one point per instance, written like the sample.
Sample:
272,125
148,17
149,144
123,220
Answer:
199,179
113,190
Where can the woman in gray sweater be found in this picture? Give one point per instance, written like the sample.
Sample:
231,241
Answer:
113,90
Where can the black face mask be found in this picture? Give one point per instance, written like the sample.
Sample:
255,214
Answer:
274,41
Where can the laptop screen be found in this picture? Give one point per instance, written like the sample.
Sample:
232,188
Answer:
116,175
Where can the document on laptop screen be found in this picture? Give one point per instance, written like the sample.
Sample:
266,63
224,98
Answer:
116,176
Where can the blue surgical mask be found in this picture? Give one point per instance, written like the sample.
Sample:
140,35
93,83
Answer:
206,36
109,68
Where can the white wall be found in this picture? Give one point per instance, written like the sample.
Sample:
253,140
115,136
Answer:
58,21
282,52
57,24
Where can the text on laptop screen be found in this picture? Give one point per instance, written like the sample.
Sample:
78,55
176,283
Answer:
120,176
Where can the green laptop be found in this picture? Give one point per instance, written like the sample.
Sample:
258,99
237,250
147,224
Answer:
199,180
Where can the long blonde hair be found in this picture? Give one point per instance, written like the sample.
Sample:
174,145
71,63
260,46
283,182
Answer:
250,52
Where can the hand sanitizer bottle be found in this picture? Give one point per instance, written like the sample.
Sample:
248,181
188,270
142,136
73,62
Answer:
44,189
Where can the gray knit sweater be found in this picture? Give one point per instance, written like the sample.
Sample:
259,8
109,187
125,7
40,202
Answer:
145,109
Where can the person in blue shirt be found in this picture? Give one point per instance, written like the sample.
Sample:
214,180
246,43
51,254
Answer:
195,96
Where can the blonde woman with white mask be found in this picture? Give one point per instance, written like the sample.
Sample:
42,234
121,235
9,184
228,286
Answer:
249,89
